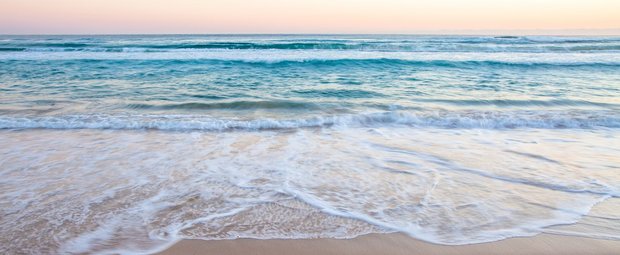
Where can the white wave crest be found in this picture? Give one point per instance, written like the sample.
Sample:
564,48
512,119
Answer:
275,56
436,119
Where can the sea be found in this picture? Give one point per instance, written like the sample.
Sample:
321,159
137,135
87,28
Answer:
129,143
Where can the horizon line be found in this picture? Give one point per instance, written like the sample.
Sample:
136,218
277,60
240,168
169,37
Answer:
306,34
447,32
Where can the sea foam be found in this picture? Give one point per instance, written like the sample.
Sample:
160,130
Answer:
436,119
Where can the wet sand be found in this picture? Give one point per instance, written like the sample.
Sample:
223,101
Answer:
397,244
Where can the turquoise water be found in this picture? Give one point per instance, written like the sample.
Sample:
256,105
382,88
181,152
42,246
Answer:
451,139
449,82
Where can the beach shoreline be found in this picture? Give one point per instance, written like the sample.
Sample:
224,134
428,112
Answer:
126,144
396,243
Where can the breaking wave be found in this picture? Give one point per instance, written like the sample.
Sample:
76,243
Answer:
437,119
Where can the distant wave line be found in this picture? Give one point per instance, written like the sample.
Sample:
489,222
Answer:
321,58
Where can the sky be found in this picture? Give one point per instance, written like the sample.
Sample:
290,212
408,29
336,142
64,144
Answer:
308,16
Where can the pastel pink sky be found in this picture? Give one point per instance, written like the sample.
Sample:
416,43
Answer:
303,16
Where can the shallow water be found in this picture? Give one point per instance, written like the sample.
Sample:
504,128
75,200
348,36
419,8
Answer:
129,143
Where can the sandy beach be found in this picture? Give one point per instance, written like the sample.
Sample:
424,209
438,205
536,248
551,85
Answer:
397,244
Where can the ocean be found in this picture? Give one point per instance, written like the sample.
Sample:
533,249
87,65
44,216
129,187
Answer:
129,143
